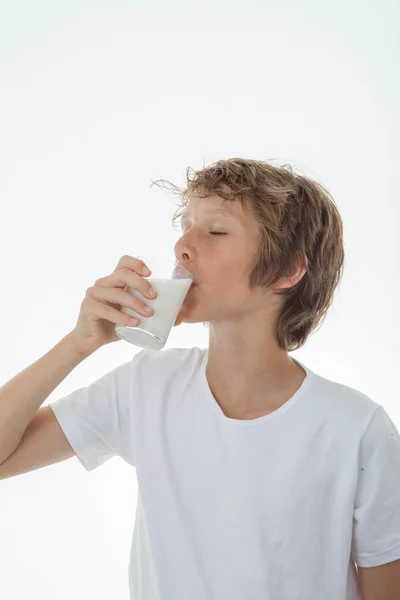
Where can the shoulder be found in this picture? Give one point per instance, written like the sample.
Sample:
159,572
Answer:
162,364
162,380
170,357
347,407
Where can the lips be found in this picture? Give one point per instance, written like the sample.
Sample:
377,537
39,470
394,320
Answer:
181,272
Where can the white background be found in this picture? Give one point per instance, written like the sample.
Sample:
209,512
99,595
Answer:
99,98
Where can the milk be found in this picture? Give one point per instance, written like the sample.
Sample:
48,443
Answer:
152,332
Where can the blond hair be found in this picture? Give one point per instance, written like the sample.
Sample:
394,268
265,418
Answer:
296,215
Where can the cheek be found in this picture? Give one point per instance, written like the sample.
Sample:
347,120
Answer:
233,272
231,283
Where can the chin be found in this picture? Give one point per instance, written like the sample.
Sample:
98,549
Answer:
196,316
194,310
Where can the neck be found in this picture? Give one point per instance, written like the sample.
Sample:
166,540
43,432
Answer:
249,379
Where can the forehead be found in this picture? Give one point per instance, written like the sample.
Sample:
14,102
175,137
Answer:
213,205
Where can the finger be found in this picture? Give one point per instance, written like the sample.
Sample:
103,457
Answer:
135,264
126,278
109,313
117,296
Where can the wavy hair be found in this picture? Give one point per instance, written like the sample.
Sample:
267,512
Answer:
296,215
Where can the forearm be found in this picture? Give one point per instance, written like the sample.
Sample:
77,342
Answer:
22,396
380,583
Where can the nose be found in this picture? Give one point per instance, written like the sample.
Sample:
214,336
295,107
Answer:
182,252
184,256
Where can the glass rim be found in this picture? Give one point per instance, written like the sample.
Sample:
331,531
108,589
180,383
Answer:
178,271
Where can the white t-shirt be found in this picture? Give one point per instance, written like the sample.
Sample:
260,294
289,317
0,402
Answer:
276,507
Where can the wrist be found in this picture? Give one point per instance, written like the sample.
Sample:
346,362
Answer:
82,348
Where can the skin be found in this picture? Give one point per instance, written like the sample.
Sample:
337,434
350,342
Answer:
248,374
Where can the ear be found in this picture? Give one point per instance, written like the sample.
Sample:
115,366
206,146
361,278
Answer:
300,271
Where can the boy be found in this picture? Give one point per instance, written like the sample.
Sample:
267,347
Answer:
257,478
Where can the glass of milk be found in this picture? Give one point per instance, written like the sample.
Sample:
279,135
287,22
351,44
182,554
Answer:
172,283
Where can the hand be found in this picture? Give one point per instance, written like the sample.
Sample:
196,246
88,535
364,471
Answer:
100,309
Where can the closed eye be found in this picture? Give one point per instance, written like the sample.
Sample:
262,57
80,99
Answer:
218,233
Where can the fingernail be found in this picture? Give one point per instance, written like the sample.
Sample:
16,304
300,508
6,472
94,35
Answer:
146,271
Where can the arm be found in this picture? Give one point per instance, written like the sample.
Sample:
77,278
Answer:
376,515
43,443
380,583
22,396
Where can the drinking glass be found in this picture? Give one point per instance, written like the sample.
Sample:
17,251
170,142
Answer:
172,283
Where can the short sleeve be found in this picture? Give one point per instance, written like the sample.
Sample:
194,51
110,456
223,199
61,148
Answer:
376,515
97,419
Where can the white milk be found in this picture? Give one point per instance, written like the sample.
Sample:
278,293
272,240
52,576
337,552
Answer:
152,332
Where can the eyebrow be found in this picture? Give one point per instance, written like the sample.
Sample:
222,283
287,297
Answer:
221,211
